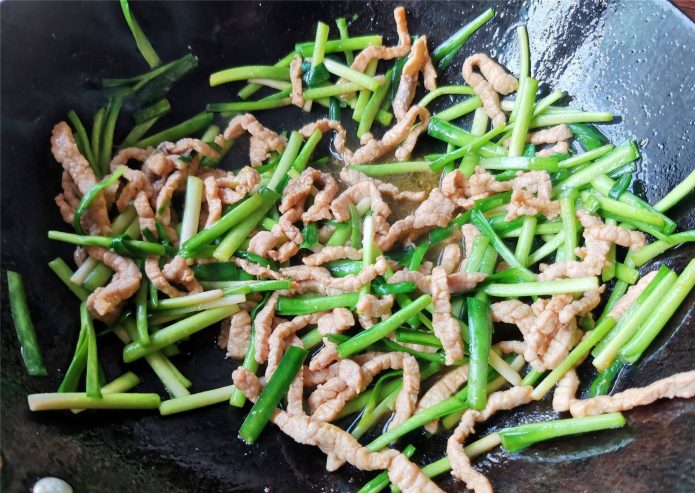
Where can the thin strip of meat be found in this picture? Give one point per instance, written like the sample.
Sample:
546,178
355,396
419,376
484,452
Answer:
157,278
405,150
629,298
178,271
146,217
173,182
263,326
544,329
256,269
297,96
265,139
278,340
681,385
531,195
446,328
409,478
418,61
551,135
298,190
239,335
187,145
386,52
469,233
353,177
67,201
442,389
582,306
458,282
373,149
559,148
340,207
105,302
494,79
597,243
437,210
212,197
335,322
326,125
66,152
460,463
565,391
313,378
330,253
450,258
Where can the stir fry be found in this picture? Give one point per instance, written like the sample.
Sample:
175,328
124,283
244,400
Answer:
358,286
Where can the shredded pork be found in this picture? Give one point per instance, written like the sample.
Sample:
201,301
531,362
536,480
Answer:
491,80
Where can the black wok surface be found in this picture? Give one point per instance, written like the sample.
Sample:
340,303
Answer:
635,59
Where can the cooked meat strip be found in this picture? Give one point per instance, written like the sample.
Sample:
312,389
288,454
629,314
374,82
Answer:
335,322
173,182
212,197
105,302
297,96
598,238
65,151
451,257
681,385
312,378
353,177
514,312
146,217
559,148
263,326
458,282
375,307
409,478
582,306
460,463
239,335
545,327
325,125
531,195
565,391
373,149
280,336
340,207
629,298
67,201
256,269
178,271
186,146
566,337
386,52
442,389
482,183
550,135
330,253
494,79
635,240
298,190
295,393
418,61
437,210
263,139
157,278
329,398
446,328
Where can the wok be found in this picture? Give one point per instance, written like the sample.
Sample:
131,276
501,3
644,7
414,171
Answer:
632,58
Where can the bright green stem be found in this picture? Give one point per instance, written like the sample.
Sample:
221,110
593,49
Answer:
542,288
569,223
677,194
604,381
196,401
647,253
479,339
445,52
191,209
337,45
146,49
460,109
383,328
657,320
29,346
525,241
550,119
519,437
630,323
443,91
249,72
403,167
525,101
62,270
272,393
303,306
184,129
79,400
177,331
359,78
586,157
620,156
248,106
548,248
373,105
